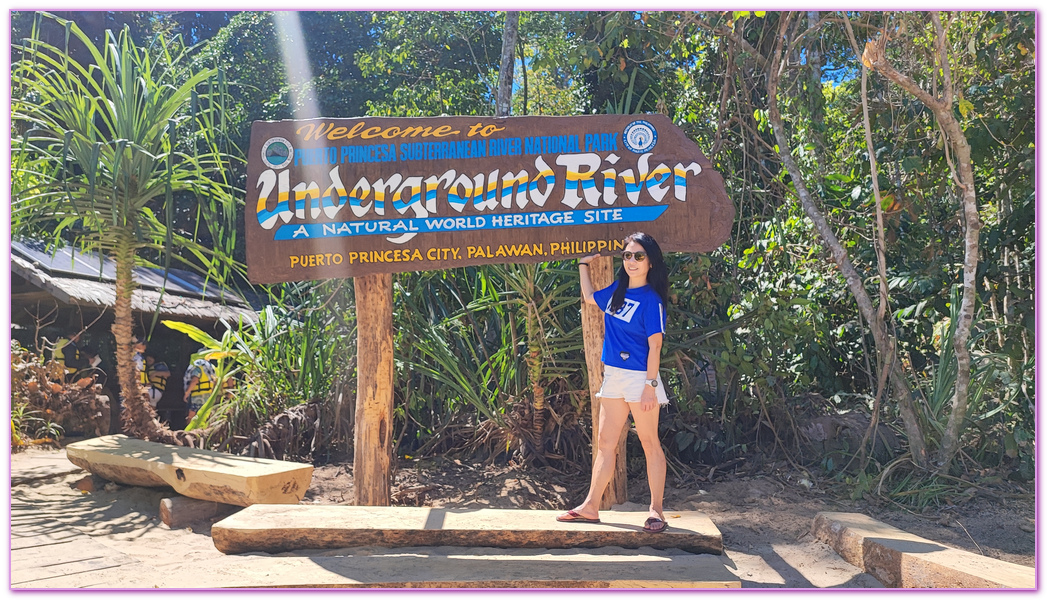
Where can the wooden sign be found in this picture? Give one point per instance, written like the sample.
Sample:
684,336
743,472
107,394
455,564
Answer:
349,197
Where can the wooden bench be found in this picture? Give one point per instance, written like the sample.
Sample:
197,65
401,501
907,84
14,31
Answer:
200,474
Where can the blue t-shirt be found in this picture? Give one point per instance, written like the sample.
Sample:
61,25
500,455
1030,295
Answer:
625,342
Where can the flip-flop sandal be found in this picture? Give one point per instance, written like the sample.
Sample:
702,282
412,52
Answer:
573,516
654,525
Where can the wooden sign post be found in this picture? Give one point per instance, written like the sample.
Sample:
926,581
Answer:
372,436
601,273
372,196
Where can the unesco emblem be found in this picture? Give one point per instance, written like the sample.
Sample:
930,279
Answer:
277,152
640,136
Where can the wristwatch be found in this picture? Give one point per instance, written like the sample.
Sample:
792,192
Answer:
652,382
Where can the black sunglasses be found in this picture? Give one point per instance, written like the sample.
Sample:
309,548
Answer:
639,256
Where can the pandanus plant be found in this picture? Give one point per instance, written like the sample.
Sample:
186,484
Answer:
545,295
102,144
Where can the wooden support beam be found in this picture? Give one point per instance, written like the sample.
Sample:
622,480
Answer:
372,437
601,273
178,511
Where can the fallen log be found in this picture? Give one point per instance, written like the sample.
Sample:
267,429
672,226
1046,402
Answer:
178,511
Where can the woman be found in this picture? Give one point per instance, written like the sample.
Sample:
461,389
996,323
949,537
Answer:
634,325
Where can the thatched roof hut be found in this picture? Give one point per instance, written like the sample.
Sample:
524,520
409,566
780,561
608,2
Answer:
87,281
60,292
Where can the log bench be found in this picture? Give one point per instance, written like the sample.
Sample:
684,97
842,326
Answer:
192,472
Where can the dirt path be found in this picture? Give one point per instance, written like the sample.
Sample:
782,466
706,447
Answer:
111,536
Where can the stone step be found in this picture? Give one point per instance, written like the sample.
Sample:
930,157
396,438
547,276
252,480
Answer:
271,528
200,474
904,560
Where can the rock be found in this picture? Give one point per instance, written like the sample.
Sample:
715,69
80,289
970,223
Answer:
838,437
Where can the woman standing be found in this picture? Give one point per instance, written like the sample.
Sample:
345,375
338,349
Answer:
634,325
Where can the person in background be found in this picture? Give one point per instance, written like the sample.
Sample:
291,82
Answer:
634,324
139,345
67,352
151,373
199,381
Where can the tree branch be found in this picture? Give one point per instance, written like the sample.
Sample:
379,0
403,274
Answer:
840,257
875,54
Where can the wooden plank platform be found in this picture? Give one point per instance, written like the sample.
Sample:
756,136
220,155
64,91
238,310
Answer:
200,474
79,555
45,552
501,568
271,528
903,560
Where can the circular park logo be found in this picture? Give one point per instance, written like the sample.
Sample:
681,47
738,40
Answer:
640,136
277,152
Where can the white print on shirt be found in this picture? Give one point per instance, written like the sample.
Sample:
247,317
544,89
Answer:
627,311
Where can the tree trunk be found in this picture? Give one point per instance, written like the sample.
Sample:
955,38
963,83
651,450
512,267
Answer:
137,416
875,55
815,98
503,99
854,281
534,372
523,68
601,273
372,439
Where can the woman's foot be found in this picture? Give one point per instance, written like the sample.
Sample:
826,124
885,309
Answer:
655,521
576,516
654,524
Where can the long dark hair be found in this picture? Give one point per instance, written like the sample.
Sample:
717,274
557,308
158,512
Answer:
657,277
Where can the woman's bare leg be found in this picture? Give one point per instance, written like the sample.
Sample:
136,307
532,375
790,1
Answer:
613,413
647,430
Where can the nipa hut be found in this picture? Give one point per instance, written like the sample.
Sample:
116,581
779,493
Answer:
60,292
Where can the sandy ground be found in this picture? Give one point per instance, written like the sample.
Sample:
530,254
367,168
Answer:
111,536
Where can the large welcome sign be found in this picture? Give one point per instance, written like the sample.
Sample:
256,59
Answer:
349,197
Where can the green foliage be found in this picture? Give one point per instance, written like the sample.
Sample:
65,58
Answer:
28,426
103,144
252,52
756,329
546,83
290,355
432,63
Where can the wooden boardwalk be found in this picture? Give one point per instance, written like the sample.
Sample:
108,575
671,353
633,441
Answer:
282,528
48,553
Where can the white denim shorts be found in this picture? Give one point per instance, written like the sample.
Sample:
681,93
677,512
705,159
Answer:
623,383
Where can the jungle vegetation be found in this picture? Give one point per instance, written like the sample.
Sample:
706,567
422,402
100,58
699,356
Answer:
879,276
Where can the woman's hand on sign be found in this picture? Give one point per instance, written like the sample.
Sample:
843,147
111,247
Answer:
583,277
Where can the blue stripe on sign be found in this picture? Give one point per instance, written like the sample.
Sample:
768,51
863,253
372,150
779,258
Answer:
563,218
